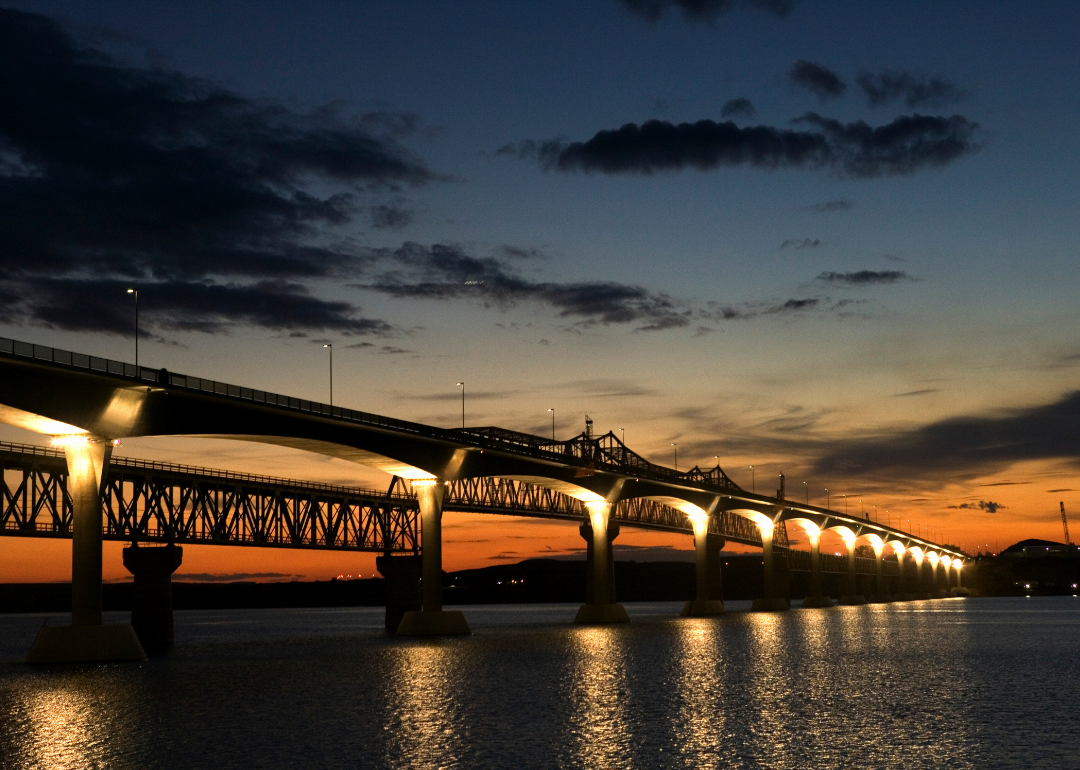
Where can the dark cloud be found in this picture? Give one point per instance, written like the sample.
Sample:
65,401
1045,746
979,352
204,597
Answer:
817,79
114,173
444,272
865,277
737,108
389,217
858,150
704,10
101,305
962,447
983,505
718,312
886,87
1059,490
384,350
923,392
800,243
830,206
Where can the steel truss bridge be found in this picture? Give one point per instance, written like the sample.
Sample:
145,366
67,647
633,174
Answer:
165,502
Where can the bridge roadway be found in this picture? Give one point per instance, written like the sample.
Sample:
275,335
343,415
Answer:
88,404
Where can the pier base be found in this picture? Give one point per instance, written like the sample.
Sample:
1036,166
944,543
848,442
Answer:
853,600
402,575
881,599
434,623
771,604
960,591
597,614
152,602
817,601
86,644
699,608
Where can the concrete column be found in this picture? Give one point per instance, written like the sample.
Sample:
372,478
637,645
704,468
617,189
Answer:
852,596
86,639
432,620
903,584
603,608
771,601
921,579
152,598
816,598
86,465
714,544
703,604
881,593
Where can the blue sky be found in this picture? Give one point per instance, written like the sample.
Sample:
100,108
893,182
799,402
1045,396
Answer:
813,314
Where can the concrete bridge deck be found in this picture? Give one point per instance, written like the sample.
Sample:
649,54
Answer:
90,403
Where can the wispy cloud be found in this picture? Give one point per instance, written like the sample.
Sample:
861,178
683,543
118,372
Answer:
888,86
817,79
800,243
704,10
865,277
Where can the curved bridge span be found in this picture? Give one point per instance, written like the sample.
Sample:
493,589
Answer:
88,404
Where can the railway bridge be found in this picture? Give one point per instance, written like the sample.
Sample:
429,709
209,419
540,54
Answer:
89,404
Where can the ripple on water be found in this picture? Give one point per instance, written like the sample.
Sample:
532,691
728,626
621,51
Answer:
947,684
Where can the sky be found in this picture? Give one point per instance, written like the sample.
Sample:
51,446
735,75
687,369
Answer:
833,240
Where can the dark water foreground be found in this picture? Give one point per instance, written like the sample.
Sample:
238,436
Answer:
975,683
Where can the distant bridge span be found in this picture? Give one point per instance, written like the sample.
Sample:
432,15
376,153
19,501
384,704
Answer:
89,403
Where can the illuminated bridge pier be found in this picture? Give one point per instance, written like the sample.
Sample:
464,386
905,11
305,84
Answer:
88,403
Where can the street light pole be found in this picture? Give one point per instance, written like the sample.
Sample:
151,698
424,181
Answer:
828,499
753,482
462,384
136,293
676,448
331,348
806,489
622,435
552,410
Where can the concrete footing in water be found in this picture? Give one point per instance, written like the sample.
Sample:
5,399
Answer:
817,601
699,608
596,614
86,644
770,604
434,623
853,600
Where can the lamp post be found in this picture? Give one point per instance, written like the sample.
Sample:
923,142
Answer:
622,435
331,349
552,410
462,385
828,499
753,482
806,490
676,449
136,293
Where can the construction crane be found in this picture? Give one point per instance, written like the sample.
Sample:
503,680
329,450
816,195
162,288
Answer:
1065,523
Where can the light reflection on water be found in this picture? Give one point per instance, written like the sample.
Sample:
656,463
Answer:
956,684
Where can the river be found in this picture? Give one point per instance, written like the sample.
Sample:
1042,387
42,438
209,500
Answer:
958,683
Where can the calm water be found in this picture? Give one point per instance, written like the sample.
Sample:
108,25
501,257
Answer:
976,683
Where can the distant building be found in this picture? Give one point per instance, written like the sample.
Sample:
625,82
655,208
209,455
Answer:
1034,548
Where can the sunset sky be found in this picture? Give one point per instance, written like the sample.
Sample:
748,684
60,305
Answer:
834,240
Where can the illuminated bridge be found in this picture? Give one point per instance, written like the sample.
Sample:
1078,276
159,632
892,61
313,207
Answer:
89,404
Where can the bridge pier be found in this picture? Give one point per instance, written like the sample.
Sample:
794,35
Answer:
921,581
881,593
903,582
707,560
152,598
432,620
402,576
600,605
852,596
772,601
816,598
86,639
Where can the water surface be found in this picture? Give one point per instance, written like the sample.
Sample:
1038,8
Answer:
976,683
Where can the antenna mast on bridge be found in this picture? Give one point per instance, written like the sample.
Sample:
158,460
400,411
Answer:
1065,523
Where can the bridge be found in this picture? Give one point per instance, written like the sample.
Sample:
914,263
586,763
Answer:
89,404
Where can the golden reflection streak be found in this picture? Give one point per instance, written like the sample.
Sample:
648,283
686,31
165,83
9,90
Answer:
424,714
700,724
66,729
599,714
772,683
